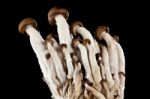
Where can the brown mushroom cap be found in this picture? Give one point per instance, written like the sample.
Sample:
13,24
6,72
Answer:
56,11
86,41
23,24
48,39
122,74
101,29
116,38
63,46
74,24
75,42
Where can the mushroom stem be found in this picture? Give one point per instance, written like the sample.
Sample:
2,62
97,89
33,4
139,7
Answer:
57,62
97,46
102,33
105,60
84,59
37,41
59,16
77,80
94,66
56,46
121,60
122,85
68,60
77,27
104,83
51,81
37,44
63,27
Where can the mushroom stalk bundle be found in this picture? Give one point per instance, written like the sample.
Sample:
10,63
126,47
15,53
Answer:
70,66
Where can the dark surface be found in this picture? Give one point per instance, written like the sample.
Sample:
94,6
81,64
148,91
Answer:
25,77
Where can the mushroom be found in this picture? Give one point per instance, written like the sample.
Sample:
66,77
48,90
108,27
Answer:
84,58
77,27
121,60
68,60
57,61
105,61
94,66
102,33
28,26
121,57
56,46
102,75
59,16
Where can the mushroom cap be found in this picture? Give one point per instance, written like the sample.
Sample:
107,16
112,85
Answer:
122,73
24,23
75,42
63,46
74,25
100,30
48,39
86,41
57,11
116,38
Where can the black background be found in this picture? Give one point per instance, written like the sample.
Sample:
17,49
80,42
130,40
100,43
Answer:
22,76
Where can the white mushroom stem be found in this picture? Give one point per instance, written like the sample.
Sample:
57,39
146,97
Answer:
113,56
105,60
113,59
68,62
121,58
122,86
77,81
94,66
104,83
52,84
63,31
97,46
87,35
85,61
94,92
56,46
53,72
37,44
57,62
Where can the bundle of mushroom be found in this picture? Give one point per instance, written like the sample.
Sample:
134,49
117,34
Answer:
77,65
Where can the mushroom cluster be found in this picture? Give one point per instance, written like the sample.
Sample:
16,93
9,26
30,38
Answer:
77,65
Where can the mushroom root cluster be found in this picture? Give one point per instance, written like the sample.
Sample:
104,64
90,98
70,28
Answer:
78,64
